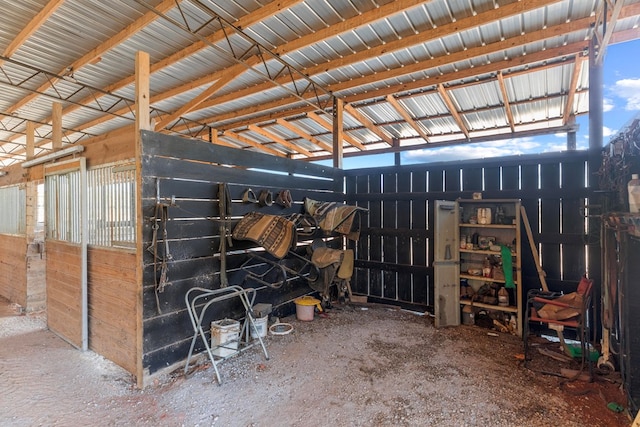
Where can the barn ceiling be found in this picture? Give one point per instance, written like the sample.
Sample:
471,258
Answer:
263,75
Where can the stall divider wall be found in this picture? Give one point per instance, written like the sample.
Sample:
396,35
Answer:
111,283
185,176
394,255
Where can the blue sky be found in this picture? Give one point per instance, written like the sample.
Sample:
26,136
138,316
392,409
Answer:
621,102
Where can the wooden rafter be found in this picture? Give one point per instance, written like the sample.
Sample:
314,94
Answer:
413,40
107,45
606,19
323,145
453,110
568,107
199,99
275,138
407,117
252,143
417,67
451,78
367,123
505,100
349,139
31,27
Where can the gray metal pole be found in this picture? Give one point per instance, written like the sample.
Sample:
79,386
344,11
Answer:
595,100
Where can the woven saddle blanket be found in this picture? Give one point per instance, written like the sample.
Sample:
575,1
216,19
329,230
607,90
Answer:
276,234
335,217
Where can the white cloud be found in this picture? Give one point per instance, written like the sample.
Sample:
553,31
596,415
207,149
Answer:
607,105
506,147
629,90
560,135
608,131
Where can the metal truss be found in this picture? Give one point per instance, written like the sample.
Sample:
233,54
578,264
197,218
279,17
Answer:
70,136
271,66
67,89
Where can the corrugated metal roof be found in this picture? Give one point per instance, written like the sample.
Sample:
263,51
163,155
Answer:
362,51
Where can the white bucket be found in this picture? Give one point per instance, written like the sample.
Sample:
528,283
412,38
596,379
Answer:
225,334
305,307
260,329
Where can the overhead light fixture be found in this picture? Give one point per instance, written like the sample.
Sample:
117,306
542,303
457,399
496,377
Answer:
54,155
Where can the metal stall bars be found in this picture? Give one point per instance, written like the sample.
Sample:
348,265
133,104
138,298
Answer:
196,296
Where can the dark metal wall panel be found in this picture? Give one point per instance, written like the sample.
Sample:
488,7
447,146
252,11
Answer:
573,254
186,177
404,240
360,281
389,241
375,238
419,244
550,218
472,179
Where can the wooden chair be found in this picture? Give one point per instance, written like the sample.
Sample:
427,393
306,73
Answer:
559,311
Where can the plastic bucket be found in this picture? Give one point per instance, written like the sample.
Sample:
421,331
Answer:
260,330
225,334
305,307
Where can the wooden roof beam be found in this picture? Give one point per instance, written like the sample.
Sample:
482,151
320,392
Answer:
347,138
413,40
452,108
367,123
568,107
99,50
277,139
606,19
252,143
195,102
323,145
31,27
420,66
407,118
505,100
530,58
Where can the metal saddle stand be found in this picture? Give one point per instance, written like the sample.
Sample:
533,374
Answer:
198,300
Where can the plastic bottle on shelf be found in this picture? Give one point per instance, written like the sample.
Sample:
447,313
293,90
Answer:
633,188
503,297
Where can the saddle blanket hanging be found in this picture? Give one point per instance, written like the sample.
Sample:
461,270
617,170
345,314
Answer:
276,234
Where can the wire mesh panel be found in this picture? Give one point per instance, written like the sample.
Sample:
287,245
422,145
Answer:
13,211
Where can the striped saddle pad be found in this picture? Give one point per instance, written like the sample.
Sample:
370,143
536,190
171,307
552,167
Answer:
276,234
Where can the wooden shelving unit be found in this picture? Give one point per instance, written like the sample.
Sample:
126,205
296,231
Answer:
501,225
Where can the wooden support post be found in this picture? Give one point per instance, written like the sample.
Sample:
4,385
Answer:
338,132
143,122
143,115
31,140
56,123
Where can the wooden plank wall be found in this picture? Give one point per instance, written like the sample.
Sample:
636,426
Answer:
112,293
64,310
189,173
13,268
395,252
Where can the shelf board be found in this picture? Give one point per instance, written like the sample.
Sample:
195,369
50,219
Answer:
503,226
510,308
482,278
484,252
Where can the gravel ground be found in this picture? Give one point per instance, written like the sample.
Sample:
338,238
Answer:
360,366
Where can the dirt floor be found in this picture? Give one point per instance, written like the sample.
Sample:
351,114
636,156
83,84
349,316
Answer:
360,366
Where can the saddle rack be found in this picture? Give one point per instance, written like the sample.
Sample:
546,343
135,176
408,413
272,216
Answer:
199,300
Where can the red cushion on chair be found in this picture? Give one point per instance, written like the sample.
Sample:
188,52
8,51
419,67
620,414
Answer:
584,286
